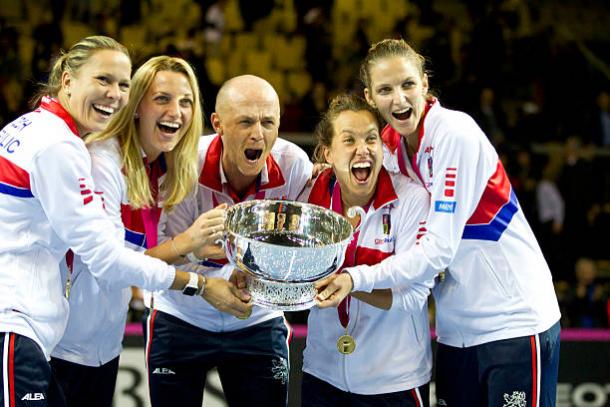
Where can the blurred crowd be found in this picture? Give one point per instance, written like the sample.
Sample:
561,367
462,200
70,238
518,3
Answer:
532,74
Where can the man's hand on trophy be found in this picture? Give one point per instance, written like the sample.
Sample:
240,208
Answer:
226,297
238,278
332,290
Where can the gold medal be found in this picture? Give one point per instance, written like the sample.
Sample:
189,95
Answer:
346,344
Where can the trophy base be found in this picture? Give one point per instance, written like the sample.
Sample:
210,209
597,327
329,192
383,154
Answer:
281,296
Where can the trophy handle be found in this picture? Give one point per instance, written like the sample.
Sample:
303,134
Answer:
356,210
226,247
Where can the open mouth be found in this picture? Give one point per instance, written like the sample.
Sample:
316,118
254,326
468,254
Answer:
252,154
403,115
362,171
168,127
105,111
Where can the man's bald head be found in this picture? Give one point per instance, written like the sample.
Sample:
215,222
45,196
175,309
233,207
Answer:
247,119
245,88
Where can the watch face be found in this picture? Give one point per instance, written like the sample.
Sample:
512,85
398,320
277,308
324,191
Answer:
189,290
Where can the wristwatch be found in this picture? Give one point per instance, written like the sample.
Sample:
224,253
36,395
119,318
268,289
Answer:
192,286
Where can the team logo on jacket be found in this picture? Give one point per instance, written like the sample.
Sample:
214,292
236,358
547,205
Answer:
444,206
386,239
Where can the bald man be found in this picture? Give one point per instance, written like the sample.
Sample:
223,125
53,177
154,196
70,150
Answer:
244,160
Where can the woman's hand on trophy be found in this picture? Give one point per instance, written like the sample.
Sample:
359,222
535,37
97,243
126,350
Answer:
207,229
226,297
333,289
238,278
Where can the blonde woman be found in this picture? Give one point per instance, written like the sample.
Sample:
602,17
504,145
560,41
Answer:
144,160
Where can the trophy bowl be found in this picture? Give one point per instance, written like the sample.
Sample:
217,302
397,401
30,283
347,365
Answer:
284,247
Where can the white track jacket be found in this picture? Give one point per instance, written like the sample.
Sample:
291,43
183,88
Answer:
47,205
497,284
392,346
98,309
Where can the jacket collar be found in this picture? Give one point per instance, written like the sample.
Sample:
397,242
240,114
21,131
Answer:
321,192
212,175
53,106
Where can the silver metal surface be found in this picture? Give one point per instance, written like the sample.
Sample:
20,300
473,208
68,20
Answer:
285,247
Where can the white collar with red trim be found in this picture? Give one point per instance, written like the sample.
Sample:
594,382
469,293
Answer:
384,191
53,106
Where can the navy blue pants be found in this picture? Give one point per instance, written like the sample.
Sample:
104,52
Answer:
318,393
86,385
512,372
28,380
252,362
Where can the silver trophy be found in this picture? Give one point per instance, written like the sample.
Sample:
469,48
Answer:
284,248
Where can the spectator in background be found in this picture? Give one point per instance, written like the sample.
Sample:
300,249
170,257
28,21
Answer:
524,182
575,186
318,51
551,213
253,11
588,304
489,116
214,24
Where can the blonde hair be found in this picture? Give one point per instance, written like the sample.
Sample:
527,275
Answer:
72,60
181,174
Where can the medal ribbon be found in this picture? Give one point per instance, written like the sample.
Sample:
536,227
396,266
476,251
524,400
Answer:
350,253
151,215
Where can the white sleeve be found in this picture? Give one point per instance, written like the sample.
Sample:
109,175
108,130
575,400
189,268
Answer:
446,218
61,180
109,183
414,297
300,173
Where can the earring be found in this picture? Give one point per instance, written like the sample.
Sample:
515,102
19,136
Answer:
136,115
67,92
